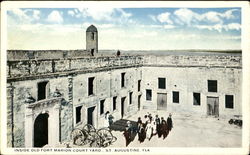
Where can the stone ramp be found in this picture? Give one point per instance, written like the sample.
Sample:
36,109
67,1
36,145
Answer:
120,125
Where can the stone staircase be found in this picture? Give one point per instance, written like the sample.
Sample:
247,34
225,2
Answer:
121,124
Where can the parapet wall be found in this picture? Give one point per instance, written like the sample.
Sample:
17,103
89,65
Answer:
44,54
234,61
34,67
60,64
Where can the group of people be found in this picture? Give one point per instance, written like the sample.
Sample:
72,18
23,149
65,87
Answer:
154,126
148,127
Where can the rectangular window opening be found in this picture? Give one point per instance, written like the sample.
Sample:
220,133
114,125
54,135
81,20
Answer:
102,107
212,85
148,94
139,85
175,97
229,101
122,80
114,103
42,91
91,86
130,97
93,36
196,99
78,114
162,83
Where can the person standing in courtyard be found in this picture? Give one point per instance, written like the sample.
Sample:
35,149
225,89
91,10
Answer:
141,133
154,128
106,122
158,123
164,128
149,129
110,119
145,121
169,122
139,123
127,136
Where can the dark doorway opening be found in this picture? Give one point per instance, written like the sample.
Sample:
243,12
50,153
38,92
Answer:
102,107
42,90
92,52
91,86
122,80
41,130
114,103
130,97
122,106
139,85
90,115
78,114
139,101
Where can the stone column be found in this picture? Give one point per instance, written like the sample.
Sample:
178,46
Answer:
54,126
70,97
29,128
10,123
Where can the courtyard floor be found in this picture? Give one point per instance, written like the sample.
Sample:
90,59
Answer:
188,131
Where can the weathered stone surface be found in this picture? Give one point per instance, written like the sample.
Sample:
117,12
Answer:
185,74
66,121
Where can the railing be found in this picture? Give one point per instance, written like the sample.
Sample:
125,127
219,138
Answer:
44,103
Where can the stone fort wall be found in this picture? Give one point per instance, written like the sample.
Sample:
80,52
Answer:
70,76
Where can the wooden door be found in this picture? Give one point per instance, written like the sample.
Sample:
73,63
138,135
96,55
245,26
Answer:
213,106
161,101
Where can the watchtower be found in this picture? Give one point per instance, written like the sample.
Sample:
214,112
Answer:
92,40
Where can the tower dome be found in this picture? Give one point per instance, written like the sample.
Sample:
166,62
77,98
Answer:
91,28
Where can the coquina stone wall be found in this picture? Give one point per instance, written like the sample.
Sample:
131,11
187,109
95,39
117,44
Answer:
183,73
44,54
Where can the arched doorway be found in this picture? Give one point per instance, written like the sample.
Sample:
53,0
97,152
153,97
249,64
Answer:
41,130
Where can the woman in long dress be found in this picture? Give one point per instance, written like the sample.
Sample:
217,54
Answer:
154,127
149,130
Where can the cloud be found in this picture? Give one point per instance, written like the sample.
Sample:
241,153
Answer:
36,14
165,18
211,20
25,15
71,13
55,17
20,14
217,17
220,27
98,14
185,16
233,26
101,14
211,16
228,14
